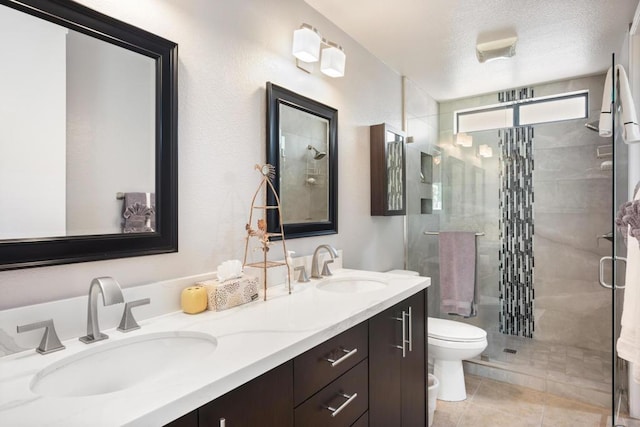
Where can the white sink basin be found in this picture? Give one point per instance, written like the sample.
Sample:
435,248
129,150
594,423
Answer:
351,284
121,364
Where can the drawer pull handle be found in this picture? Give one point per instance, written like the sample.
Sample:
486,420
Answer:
223,422
336,411
348,354
403,319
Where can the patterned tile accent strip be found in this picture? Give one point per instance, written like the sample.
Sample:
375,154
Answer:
515,258
515,94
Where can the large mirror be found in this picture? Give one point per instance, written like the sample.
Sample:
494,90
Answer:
302,141
88,152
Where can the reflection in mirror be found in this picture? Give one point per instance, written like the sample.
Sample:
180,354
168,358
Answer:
95,110
89,143
304,193
395,171
301,145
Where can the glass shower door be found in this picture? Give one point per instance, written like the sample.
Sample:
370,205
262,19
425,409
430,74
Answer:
621,193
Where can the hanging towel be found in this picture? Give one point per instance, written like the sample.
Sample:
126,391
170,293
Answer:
628,344
139,213
458,273
605,124
630,127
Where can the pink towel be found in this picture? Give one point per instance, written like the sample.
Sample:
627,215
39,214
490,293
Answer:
458,273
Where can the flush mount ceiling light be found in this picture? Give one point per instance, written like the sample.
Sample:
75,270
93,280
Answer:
464,139
497,49
307,43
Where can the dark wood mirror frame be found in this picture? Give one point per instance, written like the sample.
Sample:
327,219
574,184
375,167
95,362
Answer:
277,95
36,252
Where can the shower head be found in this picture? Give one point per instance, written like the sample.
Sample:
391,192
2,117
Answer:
317,155
594,126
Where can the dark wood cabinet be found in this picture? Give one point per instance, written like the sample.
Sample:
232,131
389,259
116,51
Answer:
322,364
372,374
388,171
339,404
189,420
363,421
331,380
266,401
397,365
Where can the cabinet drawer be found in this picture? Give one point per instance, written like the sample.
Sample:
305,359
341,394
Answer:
340,403
312,370
266,401
363,421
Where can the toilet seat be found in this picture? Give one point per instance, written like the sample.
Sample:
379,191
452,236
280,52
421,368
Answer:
450,330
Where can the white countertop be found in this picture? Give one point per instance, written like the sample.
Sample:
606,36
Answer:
252,339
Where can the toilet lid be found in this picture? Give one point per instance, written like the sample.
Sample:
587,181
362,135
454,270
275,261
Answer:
450,330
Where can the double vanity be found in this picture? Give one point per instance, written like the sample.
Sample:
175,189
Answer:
344,350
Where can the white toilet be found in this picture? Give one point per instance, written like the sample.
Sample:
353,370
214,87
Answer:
449,343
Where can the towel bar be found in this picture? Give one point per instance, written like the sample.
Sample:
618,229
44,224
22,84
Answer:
435,233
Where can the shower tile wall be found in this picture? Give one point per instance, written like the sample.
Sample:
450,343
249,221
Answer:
572,208
516,257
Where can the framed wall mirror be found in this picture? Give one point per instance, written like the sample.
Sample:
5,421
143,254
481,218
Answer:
88,152
302,142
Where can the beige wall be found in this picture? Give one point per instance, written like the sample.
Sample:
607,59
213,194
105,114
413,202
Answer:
228,50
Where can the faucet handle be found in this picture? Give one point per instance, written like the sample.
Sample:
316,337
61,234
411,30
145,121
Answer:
303,277
128,322
50,341
325,268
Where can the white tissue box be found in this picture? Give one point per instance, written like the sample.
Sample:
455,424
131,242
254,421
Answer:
230,293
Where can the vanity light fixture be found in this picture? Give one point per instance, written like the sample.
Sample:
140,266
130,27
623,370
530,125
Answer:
463,139
496,49
307,45
485,151
333,60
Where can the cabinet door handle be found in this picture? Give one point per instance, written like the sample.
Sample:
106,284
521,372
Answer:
403,319
348,354
410,330
223,422
336,411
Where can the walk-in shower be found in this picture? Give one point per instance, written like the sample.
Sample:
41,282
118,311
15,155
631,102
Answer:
554,333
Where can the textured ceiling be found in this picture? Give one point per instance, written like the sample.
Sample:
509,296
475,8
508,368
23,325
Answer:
432,42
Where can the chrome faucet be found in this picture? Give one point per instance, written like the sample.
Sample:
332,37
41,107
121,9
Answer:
314,261
111,294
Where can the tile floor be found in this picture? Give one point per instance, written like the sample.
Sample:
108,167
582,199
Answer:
492,403
591,367
568,371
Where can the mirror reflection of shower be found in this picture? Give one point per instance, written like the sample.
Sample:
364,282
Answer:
317,154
